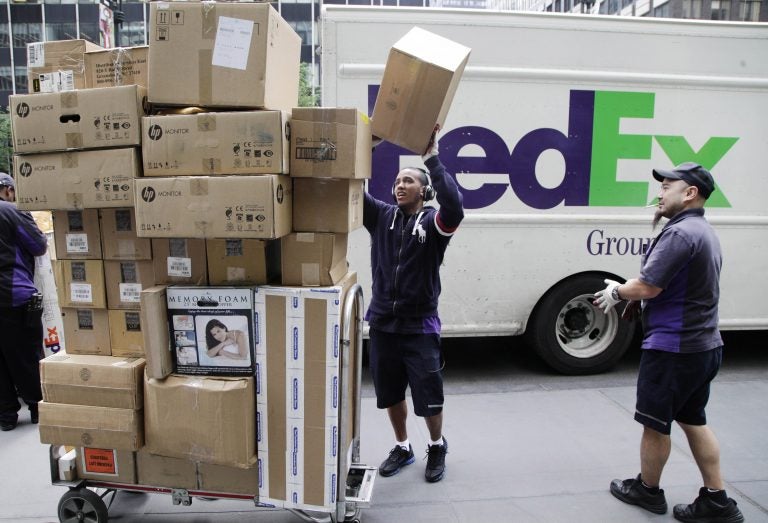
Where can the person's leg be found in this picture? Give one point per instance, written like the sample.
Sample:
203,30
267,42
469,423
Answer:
435,426
654,453
9,402
706,451
398,415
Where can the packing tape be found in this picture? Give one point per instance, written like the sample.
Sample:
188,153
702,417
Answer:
208,15
211,165
73,140
310,274
198,187
70,160
206,122
205,76
68,99
75,200
306,237
120,55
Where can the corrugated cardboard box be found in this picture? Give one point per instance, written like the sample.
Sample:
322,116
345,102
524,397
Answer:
420,79
84,425
330,143
242,142
327,205
86,331
218,478
77,234
80,283
310,258
118,236
98,381
116,67
202,419
124,281
298,393
214,207
222,55
76,180
211,329
179,260
164,471
83,119
243,262
112,465
58,65
154,318
126,336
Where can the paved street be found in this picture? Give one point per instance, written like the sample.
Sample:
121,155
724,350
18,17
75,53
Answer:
525,446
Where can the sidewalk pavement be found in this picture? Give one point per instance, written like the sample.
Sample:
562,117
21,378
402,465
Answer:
525,456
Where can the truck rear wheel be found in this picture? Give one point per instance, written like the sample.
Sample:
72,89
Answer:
574,337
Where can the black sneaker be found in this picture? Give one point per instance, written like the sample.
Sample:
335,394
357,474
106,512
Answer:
633,492
34,415
398,457
436,461
5,426
707,510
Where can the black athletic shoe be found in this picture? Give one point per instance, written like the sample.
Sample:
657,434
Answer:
633,492
398,458
436,461
707,510
5,426
34,415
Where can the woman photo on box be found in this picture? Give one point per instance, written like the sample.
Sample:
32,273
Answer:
222,342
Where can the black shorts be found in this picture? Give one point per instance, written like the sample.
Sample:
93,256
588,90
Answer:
675,387
399,360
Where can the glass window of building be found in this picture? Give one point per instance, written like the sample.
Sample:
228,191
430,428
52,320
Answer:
750,11
692,9
662,11
721,9
6,80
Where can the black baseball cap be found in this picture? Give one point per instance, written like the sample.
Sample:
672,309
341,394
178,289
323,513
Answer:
6,180
692,174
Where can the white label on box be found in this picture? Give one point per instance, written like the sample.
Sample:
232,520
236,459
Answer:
57,82
233,42
77,243
81,292
130,292
36,54
181,267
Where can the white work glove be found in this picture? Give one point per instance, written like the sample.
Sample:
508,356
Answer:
607,298
432,148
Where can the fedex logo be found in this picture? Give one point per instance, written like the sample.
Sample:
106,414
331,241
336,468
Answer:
592,147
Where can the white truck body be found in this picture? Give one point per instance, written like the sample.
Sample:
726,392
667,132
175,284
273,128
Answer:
552,136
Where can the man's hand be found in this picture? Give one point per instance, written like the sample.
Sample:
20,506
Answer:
607,298
432,149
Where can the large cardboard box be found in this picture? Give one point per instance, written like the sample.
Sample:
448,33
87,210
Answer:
118,236
124,281
117,466
222,55
214,207
117,67
98,381
77,234
179,260
76,180
85,425
80,283
420,79
219,478
164,471
298,370
58,65
154,318
243,262
330,143
201,419
327,205
311,259
82,119
242,142
126,336
211,329
86,331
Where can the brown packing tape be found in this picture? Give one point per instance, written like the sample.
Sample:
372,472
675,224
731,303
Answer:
70,160
208,20
75,200
211,165
205,77
206,122
74,140
68,99
198,187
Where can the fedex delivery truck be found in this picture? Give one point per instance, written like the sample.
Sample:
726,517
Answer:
552,136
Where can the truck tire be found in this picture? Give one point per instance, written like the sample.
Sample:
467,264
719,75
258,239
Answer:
574,337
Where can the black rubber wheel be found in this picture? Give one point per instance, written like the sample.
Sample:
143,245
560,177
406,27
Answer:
573,336
82,506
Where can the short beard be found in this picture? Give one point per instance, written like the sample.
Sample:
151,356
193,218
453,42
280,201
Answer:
657,216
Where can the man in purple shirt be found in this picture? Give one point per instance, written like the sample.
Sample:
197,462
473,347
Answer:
21,328
682,348
408,242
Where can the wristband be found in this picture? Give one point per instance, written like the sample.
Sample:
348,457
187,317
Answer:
615,293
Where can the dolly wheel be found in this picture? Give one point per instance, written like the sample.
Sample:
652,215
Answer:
82,506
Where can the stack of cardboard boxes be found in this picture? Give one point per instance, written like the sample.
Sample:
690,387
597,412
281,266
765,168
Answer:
218,255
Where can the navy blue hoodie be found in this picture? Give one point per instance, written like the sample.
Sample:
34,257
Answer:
20,241
407,251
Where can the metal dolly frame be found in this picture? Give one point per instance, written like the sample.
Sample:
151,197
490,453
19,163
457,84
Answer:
355,480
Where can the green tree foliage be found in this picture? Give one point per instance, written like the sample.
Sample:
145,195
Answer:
308,97
6,151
